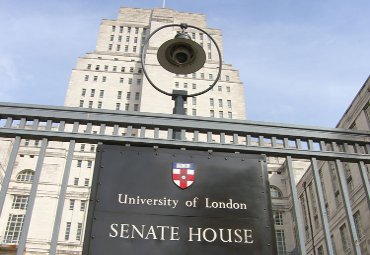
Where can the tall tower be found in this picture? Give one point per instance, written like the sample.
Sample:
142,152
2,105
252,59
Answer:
111,77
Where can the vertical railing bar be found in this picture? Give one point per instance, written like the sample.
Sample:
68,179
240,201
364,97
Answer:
298,143
156,133
345,147
22,123
142,132
209,137
32,198
296,207
75,127
88,128
235,139
286,143
115,130
62,125
248,140
323,212
273,142
102,129
49,124
322,146
358,148
367,148
8,123
129,131
365,181
183,134
35,123
170,134
347,206
261,141
334,146
222,138
310,145
196,136
9,171
62,195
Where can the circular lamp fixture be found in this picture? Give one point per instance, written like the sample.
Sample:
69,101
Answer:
181,55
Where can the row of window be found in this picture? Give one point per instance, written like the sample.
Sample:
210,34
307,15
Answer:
125,49
100,105
115,69
220,114
86,182
128,38
82,207
104,79
68,231
128,30
101,94
220,103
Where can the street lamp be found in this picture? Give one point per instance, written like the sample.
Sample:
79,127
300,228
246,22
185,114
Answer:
181,55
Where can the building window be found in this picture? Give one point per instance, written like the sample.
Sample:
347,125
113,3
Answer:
89,164
68,231
118,106
104,78
128,29
128,95
210,76
212,113
219,88
101,93
137,96
86,77
75,181
209,55
92,93
278,218
105,68
19,202
220,103
185,85
229,103
121,80
119,94
82,147
113,28
211,102
87,182
130,81
176,84
79,231
280,242
110,46
344,239
122,69
26,176
135,40
114,69
100,104
228,89
230,115
126,48
92,147
136,30
136,107
83,93
83,205
194,75
194,112
13,228
138,81
220,114
127,107
275,192
127,38
202,75
194,101
134,48
227,78
79,163
358,225
71,204
88,67
90,104
95,78
194,86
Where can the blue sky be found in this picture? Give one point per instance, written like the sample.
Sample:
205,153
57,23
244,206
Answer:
302,62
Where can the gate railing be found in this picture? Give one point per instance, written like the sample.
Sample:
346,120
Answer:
76,125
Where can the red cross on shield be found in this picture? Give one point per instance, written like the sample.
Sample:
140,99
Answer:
183,174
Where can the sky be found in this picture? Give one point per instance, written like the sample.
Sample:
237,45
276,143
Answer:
301,62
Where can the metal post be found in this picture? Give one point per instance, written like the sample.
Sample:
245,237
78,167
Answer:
32,198
62,195
309,217
9,171
365,180
296,207
347,206
323,212
179,96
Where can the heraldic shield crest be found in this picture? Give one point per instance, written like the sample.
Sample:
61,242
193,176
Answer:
183,174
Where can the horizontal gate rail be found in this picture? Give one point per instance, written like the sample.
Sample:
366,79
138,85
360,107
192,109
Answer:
272,139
